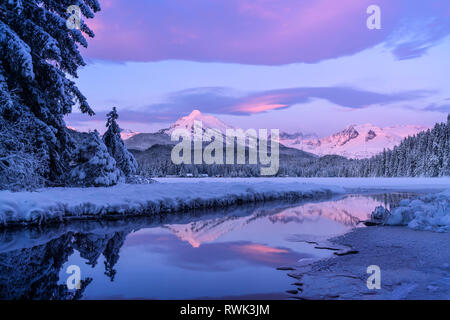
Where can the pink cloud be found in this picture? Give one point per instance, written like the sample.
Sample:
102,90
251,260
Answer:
215,100
261,103
262,253
261,249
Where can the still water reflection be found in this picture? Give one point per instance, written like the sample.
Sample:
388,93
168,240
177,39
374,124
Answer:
230,253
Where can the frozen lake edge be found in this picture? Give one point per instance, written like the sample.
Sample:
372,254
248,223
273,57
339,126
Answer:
176,195
414,265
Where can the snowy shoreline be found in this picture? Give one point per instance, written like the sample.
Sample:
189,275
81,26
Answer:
177,195
414,265
349,184
62,204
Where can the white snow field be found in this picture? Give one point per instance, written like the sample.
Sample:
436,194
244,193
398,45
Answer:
172,195
55,204
349,184
414,265
355,141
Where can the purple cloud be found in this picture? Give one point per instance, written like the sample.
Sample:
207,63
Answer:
218,100
438,108
266,32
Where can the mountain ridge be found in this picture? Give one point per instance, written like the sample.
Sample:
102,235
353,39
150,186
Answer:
356,141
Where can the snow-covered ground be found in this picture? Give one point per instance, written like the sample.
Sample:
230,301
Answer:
413,265
354,185
172,195
67,203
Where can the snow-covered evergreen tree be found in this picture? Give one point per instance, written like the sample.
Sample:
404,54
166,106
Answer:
23,161
95,165
38,54
116,147
425,154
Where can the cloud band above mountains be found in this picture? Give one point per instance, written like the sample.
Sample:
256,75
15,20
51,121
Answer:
224,101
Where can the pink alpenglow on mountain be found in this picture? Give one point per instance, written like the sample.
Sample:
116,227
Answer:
208,122
355,141
127,134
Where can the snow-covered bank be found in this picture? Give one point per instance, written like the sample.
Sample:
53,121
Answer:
58,204
172,195
354,185
414,265
430,212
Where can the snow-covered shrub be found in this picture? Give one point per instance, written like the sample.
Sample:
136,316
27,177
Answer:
431,212
138,179
93,166
116,147
379,214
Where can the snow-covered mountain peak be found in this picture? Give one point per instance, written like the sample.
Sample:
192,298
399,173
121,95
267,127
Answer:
127,134
355,141
195,114
124,134
208,122
344,136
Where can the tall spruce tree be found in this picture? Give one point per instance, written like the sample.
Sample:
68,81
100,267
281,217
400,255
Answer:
116,147
38,54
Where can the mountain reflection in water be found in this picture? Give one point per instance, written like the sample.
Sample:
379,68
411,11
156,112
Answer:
230,252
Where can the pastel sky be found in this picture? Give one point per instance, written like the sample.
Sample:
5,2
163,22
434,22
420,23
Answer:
297,65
